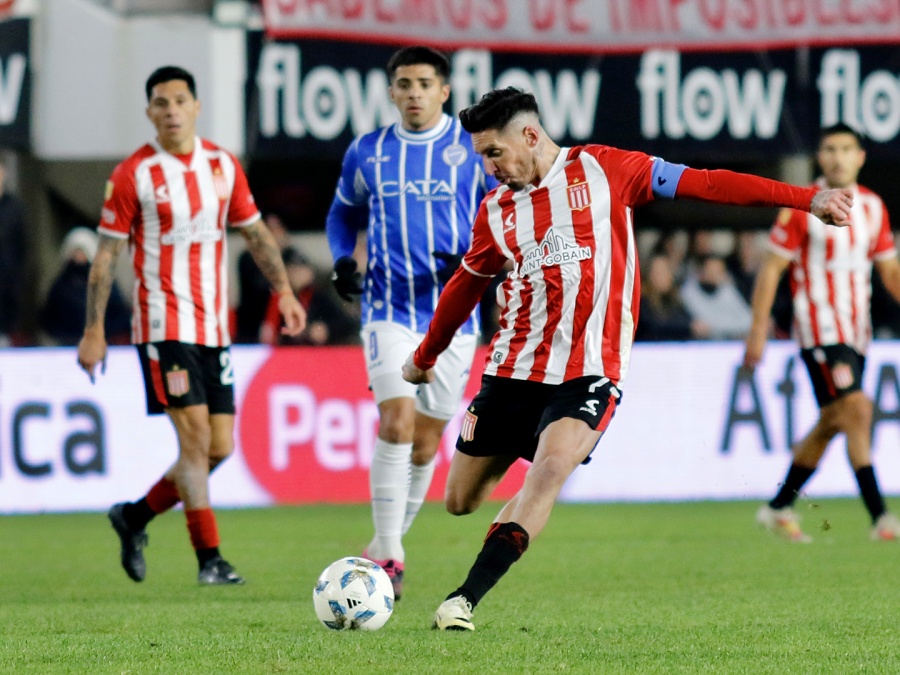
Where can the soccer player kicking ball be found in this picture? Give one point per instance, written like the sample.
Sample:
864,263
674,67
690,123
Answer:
172,199
553,380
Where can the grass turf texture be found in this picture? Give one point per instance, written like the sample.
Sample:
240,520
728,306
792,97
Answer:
641,588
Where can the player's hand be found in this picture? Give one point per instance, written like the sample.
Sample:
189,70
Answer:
451,264
347,280
293,313
91,351
832,206
412,373
756,343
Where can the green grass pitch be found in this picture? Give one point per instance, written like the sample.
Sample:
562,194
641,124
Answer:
608,588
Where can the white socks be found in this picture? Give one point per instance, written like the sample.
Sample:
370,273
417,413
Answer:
389,483
420,480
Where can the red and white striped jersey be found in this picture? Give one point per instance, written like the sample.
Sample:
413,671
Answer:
571,301
831,269
174,211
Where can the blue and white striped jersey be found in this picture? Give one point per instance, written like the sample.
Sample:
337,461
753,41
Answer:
417,192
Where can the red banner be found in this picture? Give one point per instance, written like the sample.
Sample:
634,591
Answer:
308,426
591,26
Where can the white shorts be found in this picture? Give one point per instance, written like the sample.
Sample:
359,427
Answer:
388,345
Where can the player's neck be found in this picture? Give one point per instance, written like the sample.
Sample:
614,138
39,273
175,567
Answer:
185,147
428,126
546,155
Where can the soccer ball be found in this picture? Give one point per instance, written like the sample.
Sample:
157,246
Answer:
353,593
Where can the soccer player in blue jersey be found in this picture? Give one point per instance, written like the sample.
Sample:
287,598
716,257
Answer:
415,186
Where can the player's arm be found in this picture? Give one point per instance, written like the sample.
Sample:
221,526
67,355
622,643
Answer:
889,271
741,189
267,256
462,293
92,347
348,215
767,280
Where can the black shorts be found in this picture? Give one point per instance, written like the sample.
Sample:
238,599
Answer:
835,371
177,375
507,416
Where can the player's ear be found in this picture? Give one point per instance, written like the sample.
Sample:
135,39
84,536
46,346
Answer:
445,92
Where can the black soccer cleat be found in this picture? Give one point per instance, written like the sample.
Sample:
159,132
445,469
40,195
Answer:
133,543
217,572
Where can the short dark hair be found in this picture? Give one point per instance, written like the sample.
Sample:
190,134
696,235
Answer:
840,128
419,54
496,108
167,74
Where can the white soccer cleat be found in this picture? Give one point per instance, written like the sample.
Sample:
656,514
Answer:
454,614
887,528
783,522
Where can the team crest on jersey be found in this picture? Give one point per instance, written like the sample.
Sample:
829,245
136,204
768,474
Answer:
455,154
177,382
842,375
467,431
579,195
161,194
221,183
553,250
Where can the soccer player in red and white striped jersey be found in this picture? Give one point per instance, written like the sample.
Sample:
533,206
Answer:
831,284
171,201
564,217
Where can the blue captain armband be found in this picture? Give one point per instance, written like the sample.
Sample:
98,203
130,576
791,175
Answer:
665,177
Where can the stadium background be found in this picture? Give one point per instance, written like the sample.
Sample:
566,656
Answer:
707,84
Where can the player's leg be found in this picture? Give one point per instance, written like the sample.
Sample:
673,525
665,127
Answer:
386,348
129,519
436,404
572,423
778,514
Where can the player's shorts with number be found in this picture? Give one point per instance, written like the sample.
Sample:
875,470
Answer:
178,375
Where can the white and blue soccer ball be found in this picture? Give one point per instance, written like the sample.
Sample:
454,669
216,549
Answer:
353,593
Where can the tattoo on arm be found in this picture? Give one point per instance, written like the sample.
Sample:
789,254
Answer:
101,278
266,254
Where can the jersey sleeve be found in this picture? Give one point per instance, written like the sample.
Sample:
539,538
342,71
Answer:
484,258
242,209
788,233
120,203
349,209
721,186
883,247
481,263
629,172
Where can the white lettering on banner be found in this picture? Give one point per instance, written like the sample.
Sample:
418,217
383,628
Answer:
705,101
323,101
333,427
872,106
12,78
592,26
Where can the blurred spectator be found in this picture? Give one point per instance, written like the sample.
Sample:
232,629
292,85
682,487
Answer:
711,297
663,314
701,245
253,287
673,245
63,314
744,261
12,261
326,320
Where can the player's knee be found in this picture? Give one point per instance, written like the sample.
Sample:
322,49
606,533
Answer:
396,429
552,468
458,504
